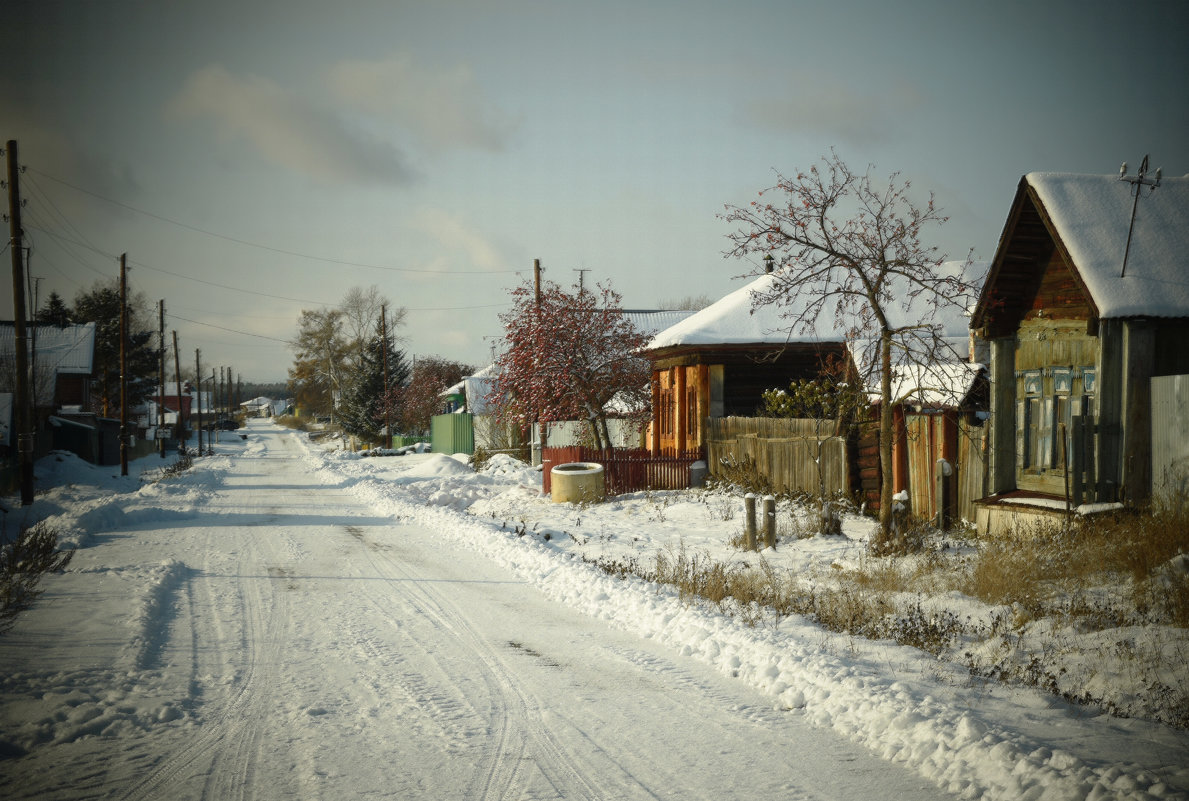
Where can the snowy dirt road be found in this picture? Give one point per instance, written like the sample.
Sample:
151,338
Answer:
293,643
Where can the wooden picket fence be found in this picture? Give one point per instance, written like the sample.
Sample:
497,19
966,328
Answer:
626,470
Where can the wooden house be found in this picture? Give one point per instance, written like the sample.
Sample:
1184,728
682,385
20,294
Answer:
719,361
1081,309
62,363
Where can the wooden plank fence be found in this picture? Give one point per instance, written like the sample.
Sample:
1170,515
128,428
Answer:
785,451
625,470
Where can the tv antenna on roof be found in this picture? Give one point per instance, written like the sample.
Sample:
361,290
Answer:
1139,180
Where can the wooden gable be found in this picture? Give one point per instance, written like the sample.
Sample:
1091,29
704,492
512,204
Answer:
1032,275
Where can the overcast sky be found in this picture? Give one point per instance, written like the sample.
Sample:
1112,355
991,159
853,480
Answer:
257,158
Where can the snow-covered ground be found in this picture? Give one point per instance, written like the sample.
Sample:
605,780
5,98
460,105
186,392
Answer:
100,688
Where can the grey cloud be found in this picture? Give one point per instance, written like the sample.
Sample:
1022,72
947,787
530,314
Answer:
441,108
288,129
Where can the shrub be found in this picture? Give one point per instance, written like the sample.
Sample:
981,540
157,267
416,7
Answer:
24,559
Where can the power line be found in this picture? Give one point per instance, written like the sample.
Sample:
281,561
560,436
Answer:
229,330
57,236
247,243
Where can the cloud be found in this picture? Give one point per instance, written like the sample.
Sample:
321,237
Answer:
453,233
288,129
821,105
443,109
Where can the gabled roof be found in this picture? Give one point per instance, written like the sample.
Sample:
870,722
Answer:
1086,217
732,320
63,350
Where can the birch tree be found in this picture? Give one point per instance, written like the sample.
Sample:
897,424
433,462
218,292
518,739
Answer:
852,255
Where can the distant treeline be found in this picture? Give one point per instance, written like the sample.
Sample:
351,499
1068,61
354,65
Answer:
277,391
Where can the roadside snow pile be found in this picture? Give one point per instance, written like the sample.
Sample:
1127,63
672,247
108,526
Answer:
975,738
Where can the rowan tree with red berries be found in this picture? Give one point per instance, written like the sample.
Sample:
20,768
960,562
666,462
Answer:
567,357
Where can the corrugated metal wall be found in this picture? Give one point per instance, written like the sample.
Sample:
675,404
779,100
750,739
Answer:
1170,438
452,433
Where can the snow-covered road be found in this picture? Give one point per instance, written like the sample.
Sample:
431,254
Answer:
289,641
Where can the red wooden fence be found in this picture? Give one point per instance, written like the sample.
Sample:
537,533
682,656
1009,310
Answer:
626,470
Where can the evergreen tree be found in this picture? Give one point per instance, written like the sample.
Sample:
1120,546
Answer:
101,305
55,312
361,411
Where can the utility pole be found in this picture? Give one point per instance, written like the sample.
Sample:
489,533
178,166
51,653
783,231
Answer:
384,350
161,378
177,377
536,346
23,410
123,364
198,393
210,444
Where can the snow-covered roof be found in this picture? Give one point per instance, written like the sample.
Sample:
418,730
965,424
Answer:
256,403
1091,214
652,321
64,350
734,320
944,380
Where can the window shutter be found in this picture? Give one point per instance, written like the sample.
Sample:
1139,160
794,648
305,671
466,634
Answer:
1021,435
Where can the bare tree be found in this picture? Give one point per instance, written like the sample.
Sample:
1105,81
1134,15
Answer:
361,317
853,260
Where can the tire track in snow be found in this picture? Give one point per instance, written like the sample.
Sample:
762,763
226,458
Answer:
226,746
515,717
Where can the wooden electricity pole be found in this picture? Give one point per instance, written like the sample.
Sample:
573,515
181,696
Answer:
161,378
198,393
177,377
22,407
384,351
123,364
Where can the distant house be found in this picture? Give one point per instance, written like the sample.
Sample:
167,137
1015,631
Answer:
1076,339
62,361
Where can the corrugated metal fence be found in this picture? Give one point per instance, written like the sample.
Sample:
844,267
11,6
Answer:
1170,439
625,470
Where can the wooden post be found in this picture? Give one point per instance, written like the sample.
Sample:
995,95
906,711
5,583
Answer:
769,522
161,378
681,422
942,471
198,394
177,377
749,530
23,404
1062,433
123,364
384,351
